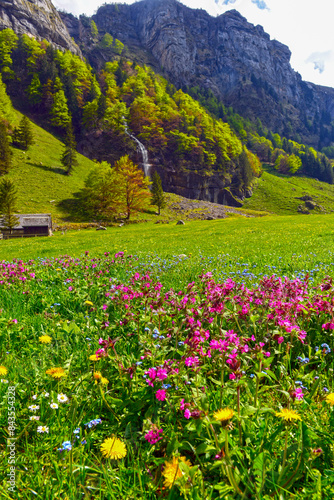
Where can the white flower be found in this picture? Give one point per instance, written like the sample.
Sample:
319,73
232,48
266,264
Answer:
62,398
33,407
42,428
46,394
4,381
34,417
54,406
34,396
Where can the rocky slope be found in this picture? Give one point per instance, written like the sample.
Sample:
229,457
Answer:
234,58
38,18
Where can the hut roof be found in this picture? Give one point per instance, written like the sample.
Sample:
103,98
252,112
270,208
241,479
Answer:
31,220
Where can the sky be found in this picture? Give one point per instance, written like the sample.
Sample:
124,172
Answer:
305,26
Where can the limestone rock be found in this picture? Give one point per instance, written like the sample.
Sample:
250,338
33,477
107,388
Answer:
37,18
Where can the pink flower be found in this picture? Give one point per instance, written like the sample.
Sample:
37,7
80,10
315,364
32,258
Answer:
182,404
232,376
280,340
162,374
161,395
298,394
104,307
187,414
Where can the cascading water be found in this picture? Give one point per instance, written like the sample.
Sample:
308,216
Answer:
142,149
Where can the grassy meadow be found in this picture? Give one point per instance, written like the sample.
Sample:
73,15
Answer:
167,362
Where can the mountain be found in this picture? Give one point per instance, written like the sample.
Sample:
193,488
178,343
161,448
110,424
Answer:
38,18
235,59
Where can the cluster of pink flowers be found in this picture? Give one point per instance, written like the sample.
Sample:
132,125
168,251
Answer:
154,435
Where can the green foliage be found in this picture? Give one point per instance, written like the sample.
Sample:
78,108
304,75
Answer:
5,152
8,42
8,200
35,90
60,116
158,196
6,108
93,29
100,199
69,156
23,136
33,49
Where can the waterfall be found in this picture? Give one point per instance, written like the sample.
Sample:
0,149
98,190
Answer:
141,147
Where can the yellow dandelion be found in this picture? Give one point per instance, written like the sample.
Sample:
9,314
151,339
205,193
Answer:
104,381
3,370
93,357
58,269
172,471
56,372
224,415
288,415
330,399
45,339
113,448
97,375
88,303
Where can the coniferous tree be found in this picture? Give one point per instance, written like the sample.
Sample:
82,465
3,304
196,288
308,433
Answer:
69,156
5,153
22,135
158,196
8,204
59,111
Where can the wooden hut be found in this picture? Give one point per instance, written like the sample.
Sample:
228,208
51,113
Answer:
29,225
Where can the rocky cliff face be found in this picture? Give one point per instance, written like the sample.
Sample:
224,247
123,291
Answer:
234,58
38,18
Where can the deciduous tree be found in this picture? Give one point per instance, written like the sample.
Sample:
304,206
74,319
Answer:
135,193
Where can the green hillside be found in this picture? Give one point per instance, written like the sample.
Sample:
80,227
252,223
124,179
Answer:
279,194
39,176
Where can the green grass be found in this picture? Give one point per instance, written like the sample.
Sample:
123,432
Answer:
278,194
292,244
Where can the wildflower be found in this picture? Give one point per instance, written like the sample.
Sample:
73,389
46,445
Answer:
45,339
92,423
330,399
34,417
93,357
46,394
54,406
62,398
88,303
288,415
104,381
56,372
298,393
172,471
42,429
153,436
187,414
76,431
113,448
97,375
161,395
3,370
33,407
224,415
67,445
34,396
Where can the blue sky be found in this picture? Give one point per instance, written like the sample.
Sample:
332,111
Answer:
305,26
